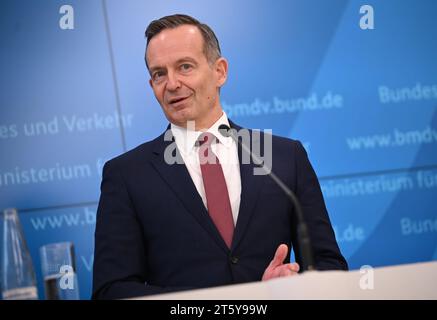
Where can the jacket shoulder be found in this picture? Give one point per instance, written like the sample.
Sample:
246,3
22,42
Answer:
137,155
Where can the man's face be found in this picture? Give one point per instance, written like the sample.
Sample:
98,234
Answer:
184,83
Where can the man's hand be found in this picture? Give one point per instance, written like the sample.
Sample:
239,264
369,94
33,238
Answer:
277,268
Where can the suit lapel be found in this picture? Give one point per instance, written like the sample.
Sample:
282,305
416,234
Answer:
179,181
250,188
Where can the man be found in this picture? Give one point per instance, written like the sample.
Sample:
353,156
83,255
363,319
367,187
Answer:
164,226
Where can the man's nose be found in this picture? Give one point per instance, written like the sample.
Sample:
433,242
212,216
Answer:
173,82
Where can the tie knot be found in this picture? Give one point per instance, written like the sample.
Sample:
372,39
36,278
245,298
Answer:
206,139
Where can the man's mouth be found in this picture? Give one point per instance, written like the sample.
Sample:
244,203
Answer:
176,100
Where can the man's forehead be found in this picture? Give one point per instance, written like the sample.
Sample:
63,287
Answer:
182,40
186,30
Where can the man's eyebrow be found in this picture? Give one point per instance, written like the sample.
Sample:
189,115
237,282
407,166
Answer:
184,59
154,68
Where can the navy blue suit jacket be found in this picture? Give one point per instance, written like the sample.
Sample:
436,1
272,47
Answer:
154,234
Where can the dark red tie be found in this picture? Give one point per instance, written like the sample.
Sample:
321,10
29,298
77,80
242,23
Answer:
217,196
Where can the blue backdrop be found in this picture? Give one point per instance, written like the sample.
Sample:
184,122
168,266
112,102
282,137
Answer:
363,102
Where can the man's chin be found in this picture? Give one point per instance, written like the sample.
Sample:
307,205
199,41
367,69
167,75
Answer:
183,120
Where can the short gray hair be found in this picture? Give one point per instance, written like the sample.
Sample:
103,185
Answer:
211,46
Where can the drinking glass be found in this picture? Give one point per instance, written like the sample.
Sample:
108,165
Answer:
59,271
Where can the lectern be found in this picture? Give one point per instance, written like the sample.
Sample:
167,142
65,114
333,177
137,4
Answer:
410,281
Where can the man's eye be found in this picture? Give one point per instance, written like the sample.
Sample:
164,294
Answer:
186,67
156,76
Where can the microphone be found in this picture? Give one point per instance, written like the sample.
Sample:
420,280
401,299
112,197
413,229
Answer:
302,229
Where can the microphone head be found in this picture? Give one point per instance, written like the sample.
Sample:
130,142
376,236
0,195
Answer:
224,130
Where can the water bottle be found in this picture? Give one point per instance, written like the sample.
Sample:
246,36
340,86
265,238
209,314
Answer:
18,274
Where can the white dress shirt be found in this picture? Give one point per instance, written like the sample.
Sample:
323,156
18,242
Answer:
226,151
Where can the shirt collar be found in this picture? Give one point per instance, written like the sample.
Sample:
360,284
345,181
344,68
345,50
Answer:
186,138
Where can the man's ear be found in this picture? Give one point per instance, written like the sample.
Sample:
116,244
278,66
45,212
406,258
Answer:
221,69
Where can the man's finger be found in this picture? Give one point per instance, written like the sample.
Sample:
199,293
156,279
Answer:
280,255
293,267
285,271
